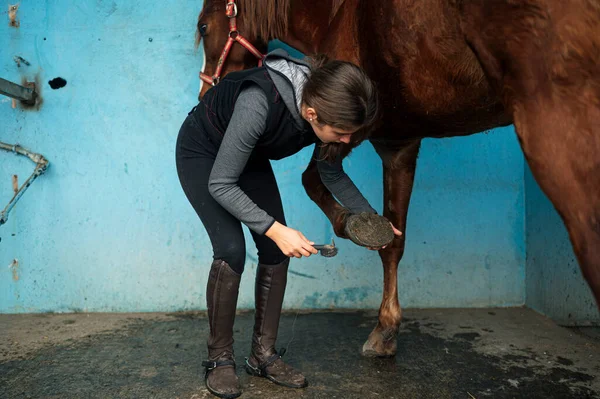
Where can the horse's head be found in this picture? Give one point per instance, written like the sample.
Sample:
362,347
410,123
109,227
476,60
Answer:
220,25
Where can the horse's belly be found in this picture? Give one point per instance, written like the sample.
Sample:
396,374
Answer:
426,72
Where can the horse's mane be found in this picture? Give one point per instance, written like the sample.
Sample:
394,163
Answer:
266,19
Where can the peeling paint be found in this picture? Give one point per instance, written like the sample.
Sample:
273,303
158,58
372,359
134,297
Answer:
14,267
15,183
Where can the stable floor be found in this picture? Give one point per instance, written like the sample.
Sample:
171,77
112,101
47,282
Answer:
442,353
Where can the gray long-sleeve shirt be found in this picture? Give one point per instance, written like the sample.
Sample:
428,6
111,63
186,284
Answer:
245,128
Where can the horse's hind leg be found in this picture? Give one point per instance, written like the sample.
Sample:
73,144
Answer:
565,161
563,152
545,62
399,165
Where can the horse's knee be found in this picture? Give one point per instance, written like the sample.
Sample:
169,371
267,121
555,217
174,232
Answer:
392,254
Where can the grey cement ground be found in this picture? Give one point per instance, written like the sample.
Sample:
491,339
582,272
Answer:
474,353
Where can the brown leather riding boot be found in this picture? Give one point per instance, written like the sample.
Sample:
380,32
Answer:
264,360
221,298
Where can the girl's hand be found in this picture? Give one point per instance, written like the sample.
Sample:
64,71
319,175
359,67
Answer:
290,241
396,231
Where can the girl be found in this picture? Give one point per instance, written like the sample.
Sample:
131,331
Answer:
223,152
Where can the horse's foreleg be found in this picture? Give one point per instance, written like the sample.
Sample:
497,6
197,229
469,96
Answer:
545,64
398,173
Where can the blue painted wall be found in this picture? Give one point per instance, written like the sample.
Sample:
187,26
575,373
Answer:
108,228
555,285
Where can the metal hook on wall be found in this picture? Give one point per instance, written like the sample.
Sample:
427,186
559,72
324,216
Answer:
41,164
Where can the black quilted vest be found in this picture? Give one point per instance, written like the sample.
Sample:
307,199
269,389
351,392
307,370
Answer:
282,137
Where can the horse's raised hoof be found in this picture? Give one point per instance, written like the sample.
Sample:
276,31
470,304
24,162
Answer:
381,343
369,230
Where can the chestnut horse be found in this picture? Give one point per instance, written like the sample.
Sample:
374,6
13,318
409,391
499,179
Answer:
448,68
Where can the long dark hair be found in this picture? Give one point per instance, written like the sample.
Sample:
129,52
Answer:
344,97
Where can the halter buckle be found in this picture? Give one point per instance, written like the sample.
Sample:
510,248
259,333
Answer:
231,9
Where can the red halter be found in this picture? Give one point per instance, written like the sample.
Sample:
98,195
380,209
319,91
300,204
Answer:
234,35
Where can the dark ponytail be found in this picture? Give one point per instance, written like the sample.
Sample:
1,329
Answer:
343,97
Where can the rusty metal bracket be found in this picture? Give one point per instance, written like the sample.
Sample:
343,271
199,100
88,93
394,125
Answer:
41,164
26,94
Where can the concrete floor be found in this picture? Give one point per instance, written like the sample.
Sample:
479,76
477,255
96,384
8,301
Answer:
470,353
